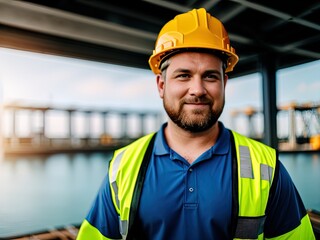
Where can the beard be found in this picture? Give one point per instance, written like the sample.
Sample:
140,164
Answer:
198,120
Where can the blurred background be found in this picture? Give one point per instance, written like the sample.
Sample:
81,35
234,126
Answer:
67,99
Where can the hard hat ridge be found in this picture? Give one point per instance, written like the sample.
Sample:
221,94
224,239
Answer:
195,29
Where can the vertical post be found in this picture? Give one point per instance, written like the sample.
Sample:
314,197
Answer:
104,124
30,112
14,113
142,124
43,130
268,71
124,124
292,128
252,132
32,127
1,123
14,136
70,128
88,118
159,117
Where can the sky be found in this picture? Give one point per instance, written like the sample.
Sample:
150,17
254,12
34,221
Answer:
39,79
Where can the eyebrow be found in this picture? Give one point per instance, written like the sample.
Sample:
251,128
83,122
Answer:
212,71
182,70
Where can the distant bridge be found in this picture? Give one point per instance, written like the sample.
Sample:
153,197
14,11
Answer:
307,139
38,140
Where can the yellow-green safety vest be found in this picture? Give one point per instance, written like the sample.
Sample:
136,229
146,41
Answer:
254,171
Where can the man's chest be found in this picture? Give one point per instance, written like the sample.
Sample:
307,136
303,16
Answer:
174,191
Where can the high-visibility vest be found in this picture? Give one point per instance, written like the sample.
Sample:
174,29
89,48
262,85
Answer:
254,167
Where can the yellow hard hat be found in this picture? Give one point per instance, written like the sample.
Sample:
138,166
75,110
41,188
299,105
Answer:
194,29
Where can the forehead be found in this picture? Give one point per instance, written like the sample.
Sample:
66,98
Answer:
195,59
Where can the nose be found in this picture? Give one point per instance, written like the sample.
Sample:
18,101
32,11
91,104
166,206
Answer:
197,87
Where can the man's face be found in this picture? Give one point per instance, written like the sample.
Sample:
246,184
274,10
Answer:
193,90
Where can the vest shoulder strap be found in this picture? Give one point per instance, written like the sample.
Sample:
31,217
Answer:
255,165
127,160
138,188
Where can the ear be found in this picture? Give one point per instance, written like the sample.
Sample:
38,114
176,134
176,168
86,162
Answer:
160,85
225,80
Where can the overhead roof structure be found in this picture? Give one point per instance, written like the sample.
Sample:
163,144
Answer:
267,35
125,32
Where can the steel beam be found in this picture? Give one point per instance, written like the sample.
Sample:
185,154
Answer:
268,72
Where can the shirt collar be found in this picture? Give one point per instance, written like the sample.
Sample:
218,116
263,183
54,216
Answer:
221,147
160,144
222,144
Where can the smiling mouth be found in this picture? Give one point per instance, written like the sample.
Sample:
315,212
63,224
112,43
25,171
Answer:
197,101
197,106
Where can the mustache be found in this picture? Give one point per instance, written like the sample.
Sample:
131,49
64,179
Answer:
197,100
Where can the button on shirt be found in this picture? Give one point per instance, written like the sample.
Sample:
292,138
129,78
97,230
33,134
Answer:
187,201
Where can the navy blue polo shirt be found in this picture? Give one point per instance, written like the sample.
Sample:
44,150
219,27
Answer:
187,201
193,201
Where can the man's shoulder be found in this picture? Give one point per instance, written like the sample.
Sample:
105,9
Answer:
249,140
140,141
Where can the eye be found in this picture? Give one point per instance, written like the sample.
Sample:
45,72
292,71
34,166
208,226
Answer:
183,76
212,77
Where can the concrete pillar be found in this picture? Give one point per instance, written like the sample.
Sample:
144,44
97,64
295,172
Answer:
14,137
43,130
88,125
33,134
124,125
14,115
70,128
142,124
292,128
250,112
252,132
160,120
104,124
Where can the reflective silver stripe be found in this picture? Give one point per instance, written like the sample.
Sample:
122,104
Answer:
249,227
123,228
115,168
245,162
266,172
115,190
123,224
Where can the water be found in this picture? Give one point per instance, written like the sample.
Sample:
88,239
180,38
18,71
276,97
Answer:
304,169
42,192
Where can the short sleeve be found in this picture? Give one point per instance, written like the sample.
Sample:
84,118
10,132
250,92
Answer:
285,209
102,214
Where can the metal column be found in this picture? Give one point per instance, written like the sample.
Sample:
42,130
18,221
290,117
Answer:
268,72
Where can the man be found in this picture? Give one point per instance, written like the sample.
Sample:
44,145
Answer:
195,179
